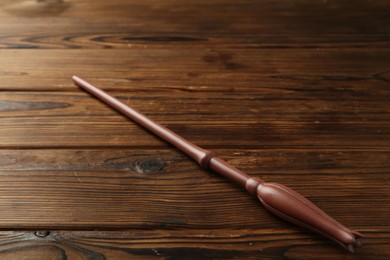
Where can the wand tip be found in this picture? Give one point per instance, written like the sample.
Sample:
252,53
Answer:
75,78
78,81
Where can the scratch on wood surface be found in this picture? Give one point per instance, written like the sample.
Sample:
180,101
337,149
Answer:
75,174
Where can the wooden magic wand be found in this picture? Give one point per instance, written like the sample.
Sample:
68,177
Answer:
280,200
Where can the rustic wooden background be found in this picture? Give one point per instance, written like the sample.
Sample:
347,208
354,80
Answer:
295,92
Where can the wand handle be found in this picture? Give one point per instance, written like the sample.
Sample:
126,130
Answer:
280,200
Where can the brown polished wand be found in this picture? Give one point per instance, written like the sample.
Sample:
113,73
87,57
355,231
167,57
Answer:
280,200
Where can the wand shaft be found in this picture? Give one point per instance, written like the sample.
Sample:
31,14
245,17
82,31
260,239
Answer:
203,157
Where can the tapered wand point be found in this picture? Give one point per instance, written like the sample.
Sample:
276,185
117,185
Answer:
75,78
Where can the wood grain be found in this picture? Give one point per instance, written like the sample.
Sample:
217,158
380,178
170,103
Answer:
173,244
162,188
120,24
222,69
266,119
294,92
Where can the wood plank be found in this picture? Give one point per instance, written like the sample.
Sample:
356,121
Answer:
181,244
100,189
208,69
58,119
118,24
81,37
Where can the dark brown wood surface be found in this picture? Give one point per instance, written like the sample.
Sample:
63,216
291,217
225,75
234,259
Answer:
295,92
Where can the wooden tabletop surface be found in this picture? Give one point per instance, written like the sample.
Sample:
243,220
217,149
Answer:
295,92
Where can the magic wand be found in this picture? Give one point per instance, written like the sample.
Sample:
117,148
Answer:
280,200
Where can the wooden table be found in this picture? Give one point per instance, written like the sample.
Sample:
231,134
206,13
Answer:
295,92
